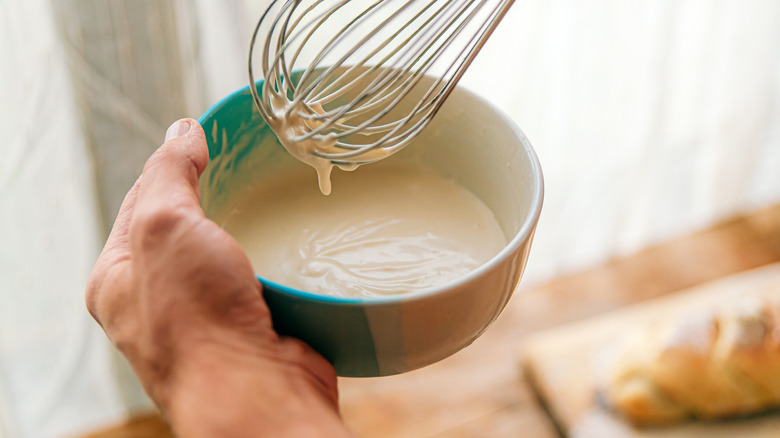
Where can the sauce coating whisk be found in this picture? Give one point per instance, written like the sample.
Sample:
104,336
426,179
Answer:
347,72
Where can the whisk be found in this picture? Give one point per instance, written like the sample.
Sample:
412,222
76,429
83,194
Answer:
352,70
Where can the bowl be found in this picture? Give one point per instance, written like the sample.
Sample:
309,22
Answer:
469,140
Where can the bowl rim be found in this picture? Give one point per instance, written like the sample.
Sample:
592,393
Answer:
523,234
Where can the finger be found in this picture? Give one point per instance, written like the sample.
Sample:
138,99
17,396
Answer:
169,191
170,176
114,254
117,239
114,258
117,245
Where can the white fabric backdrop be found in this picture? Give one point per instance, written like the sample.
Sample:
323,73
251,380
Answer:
651,119
55,375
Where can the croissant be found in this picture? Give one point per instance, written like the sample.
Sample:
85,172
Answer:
700,365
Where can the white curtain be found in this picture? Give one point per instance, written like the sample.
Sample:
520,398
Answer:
87,89
651,119
50,354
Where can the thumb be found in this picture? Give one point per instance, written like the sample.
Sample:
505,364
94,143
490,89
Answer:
170,176
169,189
178,129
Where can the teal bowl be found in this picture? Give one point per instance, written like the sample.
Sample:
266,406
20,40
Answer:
470,141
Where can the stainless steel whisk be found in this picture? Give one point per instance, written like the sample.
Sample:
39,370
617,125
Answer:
352,69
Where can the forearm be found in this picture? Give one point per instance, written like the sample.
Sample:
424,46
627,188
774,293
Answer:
224,395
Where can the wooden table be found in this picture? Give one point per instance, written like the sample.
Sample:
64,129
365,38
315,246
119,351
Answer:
480,391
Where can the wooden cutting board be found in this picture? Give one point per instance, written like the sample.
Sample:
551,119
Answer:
560,363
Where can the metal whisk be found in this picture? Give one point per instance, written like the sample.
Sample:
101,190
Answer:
352,69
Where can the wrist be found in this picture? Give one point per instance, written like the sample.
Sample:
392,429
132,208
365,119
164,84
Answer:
226,392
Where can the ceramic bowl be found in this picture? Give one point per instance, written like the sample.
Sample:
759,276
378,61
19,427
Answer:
470,141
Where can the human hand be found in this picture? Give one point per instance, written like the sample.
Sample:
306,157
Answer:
178,296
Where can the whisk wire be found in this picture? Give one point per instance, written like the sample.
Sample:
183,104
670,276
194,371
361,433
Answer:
379,90
375,86
333,43
360,87
313,94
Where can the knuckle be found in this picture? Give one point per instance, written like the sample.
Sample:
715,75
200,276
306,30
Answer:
105,287
153,225
295,352
91,296
158,158
176,153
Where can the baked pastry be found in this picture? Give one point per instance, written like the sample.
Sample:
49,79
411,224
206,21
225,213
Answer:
703,365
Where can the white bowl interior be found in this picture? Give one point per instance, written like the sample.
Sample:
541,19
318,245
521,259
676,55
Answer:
465,141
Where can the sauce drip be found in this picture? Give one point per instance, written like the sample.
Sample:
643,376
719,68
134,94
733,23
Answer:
288,125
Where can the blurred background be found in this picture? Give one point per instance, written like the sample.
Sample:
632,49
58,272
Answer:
652,119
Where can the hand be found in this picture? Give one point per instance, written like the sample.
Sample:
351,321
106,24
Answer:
178,296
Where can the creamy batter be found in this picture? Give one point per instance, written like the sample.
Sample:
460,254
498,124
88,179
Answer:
387,229
288,124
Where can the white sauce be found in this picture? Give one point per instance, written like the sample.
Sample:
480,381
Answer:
288,125
388,229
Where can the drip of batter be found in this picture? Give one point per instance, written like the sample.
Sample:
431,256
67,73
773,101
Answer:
390,228
288,124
